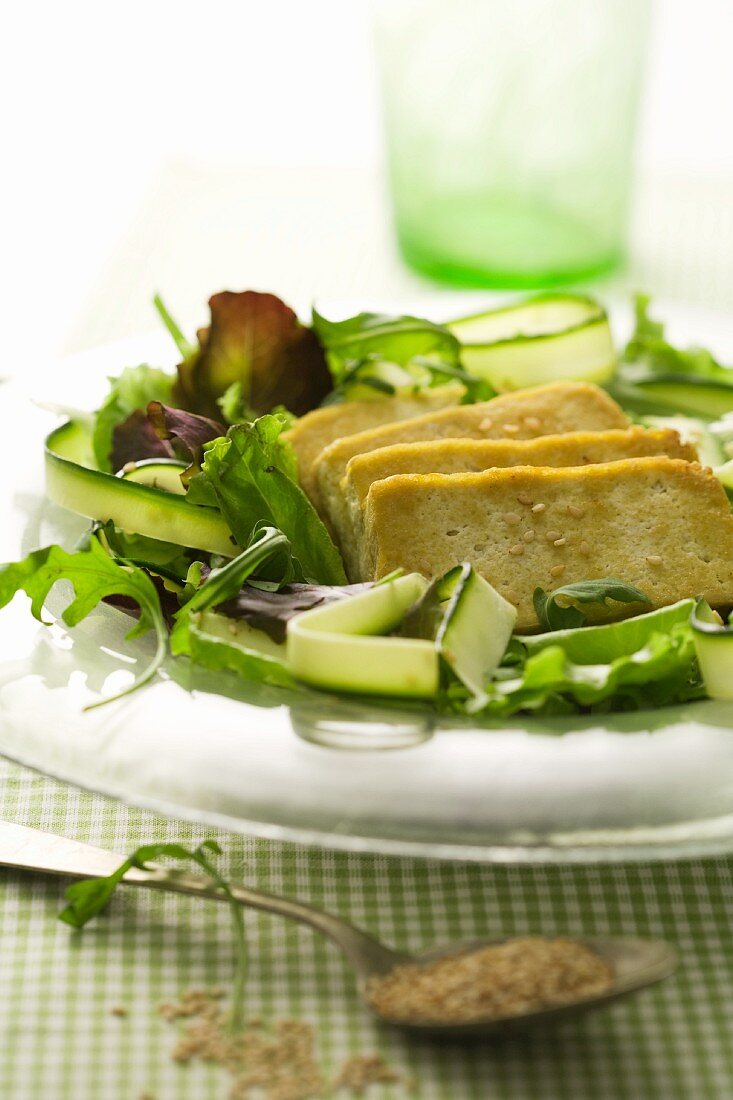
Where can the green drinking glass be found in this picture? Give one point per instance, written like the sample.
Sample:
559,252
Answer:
510,134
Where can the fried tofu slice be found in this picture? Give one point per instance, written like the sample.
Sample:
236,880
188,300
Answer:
314,431
523,414
450,456
661,524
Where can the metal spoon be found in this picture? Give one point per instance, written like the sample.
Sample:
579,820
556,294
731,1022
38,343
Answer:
635,963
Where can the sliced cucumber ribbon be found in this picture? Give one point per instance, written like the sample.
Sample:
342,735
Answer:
460,621
549,338
340,647
74,483
714,647
158,473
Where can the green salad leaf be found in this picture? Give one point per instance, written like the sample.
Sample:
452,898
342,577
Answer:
90,897
649,350
556,610
223,583
393,339
251,476
185,348
217,642
129,392
389,353
256,341
166,559
94,576
646,661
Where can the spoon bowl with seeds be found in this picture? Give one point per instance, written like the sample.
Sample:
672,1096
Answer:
477,987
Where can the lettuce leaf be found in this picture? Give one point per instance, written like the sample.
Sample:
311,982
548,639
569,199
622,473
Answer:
257,341
129,391
251,476
648,351
95,576
646,661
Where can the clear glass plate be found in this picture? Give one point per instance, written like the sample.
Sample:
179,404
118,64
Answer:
329,770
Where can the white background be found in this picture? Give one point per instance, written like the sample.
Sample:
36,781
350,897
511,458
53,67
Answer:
98,97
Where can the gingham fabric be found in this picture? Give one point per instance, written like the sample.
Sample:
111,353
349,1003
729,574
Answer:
58,987
325,234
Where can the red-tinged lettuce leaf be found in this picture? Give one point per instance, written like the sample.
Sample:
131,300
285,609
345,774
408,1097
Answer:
188,431
136,439
272,611
254,340
162,432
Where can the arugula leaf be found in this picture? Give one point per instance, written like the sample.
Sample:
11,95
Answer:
129,391
556,615
252,477
225,582
231,638
392,339
257,341
648,351
194,634
387,353
94,576
88,898
477,389
168,559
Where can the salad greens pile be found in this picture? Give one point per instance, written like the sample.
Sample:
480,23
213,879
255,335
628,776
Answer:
218,429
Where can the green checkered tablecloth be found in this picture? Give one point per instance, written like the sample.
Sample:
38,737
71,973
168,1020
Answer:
326,235
61,1042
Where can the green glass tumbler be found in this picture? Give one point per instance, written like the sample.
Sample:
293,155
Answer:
510,131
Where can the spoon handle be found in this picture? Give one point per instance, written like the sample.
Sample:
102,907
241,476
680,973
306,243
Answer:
34,850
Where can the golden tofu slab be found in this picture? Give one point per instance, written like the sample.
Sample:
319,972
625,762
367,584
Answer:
661,524
314,431
524,414
450,456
